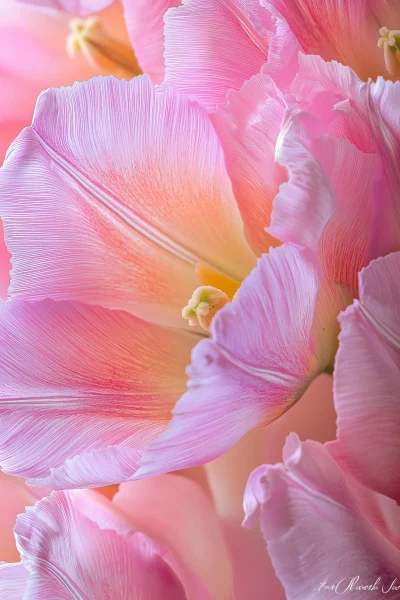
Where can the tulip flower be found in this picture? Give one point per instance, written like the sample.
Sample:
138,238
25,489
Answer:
186,531
83,542
152,220
362,34
342,498
34,57
338,210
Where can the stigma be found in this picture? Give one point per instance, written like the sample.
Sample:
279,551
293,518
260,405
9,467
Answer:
390,43
202,306
101,50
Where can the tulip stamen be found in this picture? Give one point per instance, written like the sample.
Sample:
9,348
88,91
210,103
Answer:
390,43
202,306
101,50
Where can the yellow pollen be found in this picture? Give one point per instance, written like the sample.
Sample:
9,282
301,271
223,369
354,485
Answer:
202,306
390,44
102,51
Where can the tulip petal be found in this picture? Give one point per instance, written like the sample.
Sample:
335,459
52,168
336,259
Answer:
248,127
129,196
316,533
367,380
210,48
69,555
13,577
15,495
145,24
5,265
74,7
262,357
336,30
363,114
338,183
197,544
78,379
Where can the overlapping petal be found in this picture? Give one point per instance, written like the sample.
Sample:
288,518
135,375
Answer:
318,529
211,47
248,126
340,149
177,514
337,30
13,578
15,496
32,58
145,24
68,552
87,381
367,380
123,190
265,350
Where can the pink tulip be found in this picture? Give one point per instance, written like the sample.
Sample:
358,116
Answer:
82,542
151,248
142,188
363,34
192,530
33,57
329,513
339,144
326,534
42,48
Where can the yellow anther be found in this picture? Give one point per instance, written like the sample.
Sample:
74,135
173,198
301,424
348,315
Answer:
202,306
390,43
109,55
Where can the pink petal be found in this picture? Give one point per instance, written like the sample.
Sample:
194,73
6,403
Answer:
367,380
262,357
314,526
84,380
283,47
248,127
337,30
210,48
176,513
340,152
69,555
75,7
5,266
12,580
32,58
142,196
145,23
15,495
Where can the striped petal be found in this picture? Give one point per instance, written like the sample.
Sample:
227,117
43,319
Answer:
70,552
210,48
339,30
266,348
341,150
121,202
323,530
82,390
367,380
145,24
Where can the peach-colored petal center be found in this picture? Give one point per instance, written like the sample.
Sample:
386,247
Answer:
100,49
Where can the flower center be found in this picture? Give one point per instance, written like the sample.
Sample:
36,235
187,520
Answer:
216,291
101,50
390,43
202,306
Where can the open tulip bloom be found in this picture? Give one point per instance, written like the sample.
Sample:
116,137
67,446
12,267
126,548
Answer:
200,257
